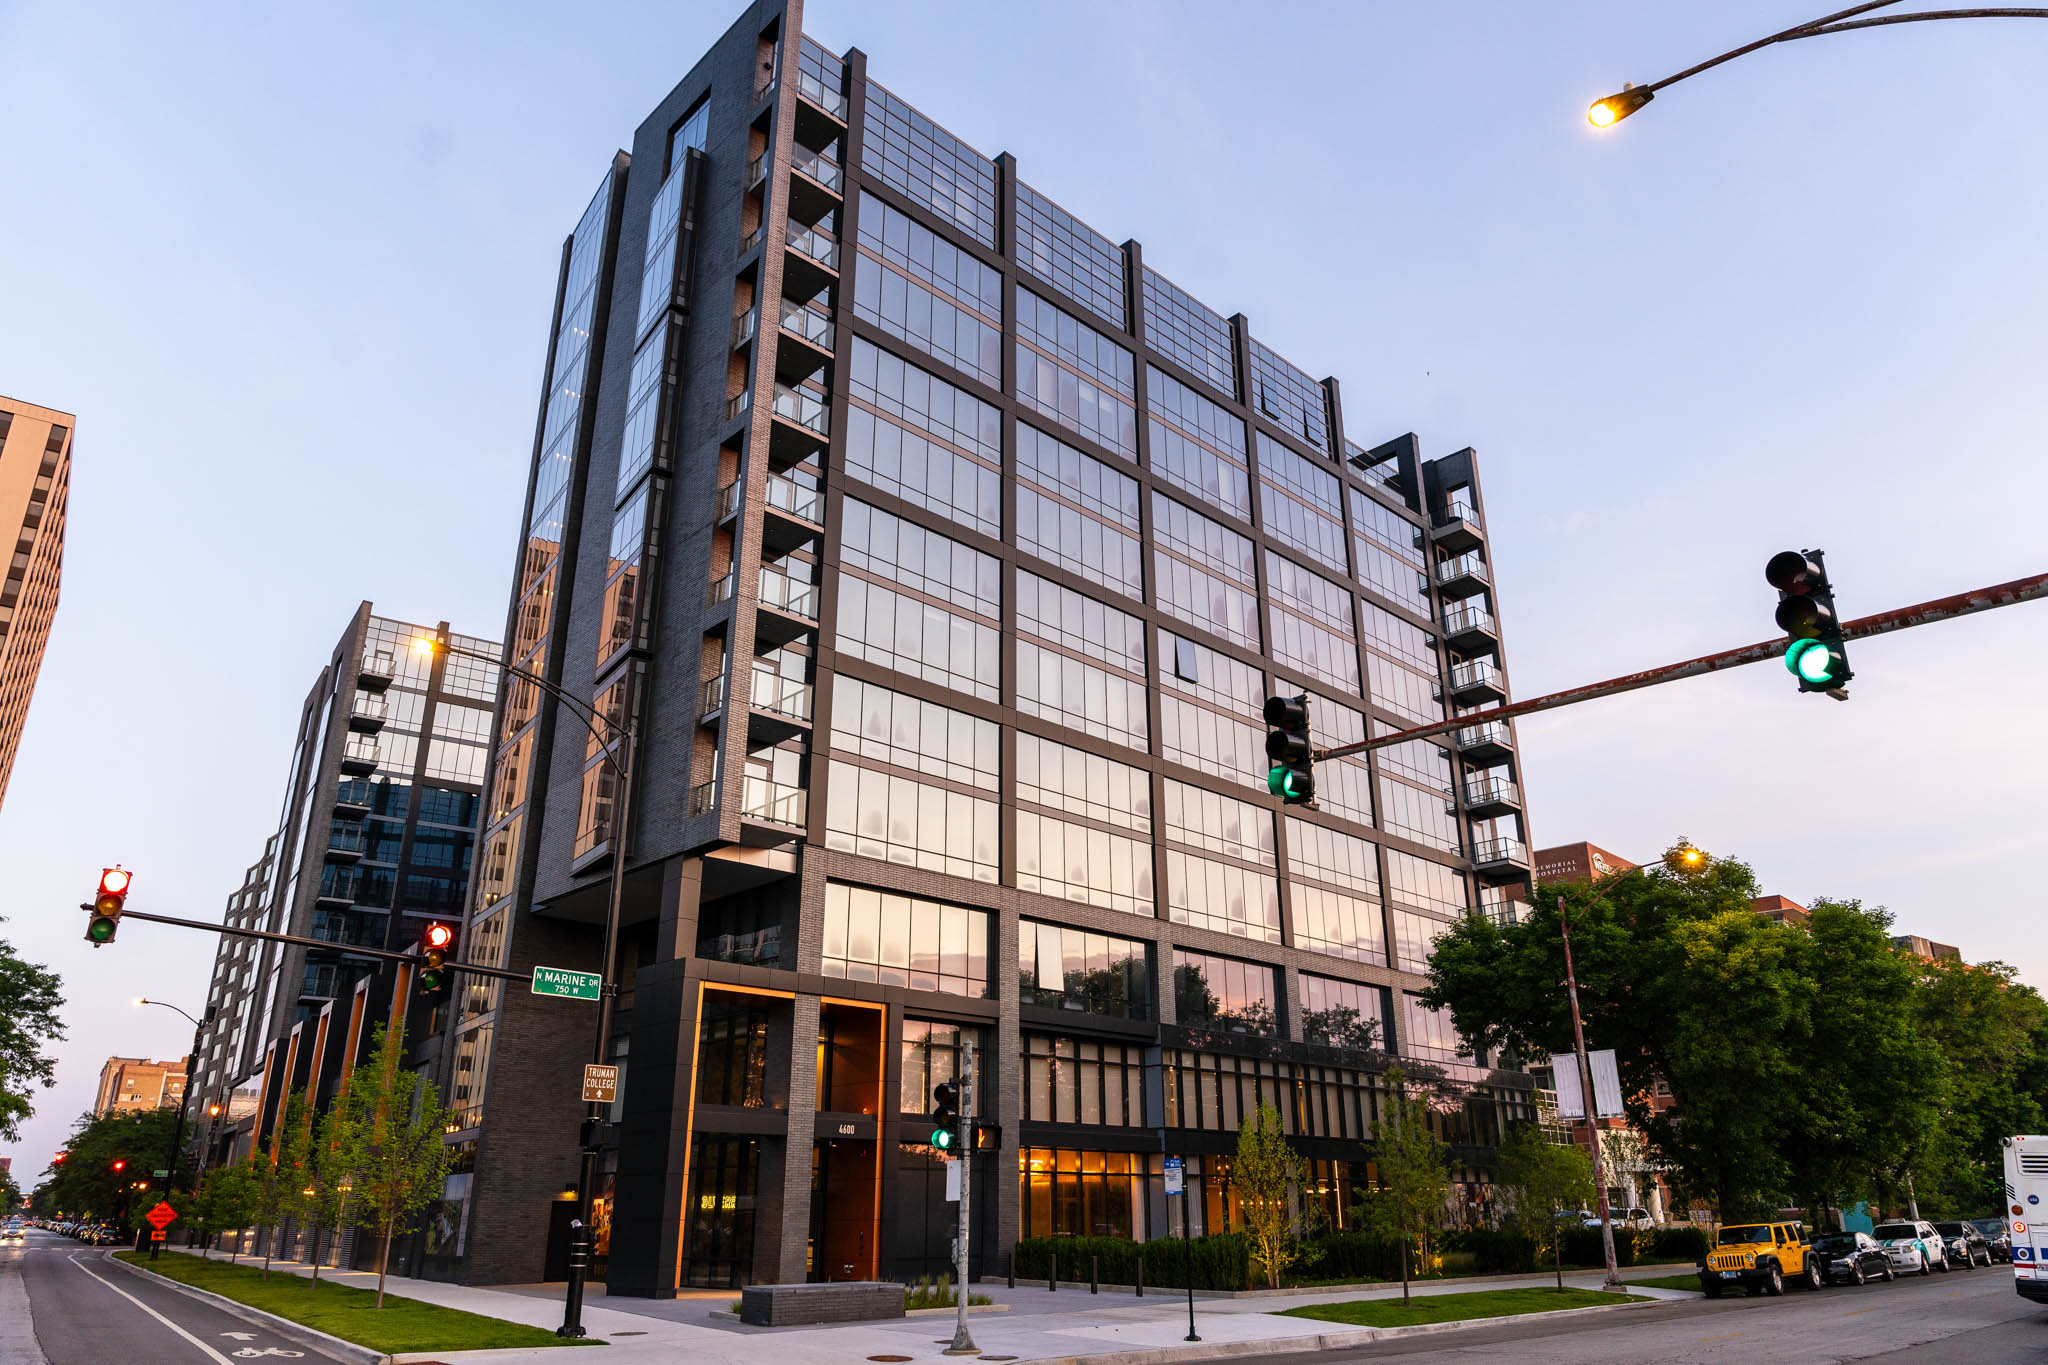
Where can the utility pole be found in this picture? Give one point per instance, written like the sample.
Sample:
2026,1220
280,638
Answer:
963,1343
1571,981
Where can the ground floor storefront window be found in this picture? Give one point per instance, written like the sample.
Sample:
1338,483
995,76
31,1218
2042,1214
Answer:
718,1212
1069,1193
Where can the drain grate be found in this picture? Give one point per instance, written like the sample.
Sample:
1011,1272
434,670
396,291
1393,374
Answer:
889,1358
996,1357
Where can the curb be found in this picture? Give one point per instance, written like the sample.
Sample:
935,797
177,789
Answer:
727,1315
1327,1341
1520,1277
284,1327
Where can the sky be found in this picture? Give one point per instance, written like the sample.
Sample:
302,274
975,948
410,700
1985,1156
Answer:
292,267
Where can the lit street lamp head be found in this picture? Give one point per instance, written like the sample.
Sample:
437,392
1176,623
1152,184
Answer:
1605,113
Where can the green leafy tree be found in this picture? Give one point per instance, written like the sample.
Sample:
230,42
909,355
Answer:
85,1182
1541,1179
389,1125
1682,979
1414,1171
1992,1032
329,1192
227,1201
1264,1173
10,1193
29,1000
287,1190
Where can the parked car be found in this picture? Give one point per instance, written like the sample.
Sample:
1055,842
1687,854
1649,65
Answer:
1964,1243
1852,1258
1997,1237
1762,1258
1621,1218
1915,1248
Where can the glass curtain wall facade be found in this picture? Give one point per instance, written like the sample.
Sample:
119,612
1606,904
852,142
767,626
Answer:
948,554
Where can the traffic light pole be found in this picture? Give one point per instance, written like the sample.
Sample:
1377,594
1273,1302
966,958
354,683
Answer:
384,954
1571,981
963,1344
2010,594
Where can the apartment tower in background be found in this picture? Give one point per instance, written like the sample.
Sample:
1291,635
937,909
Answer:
938,553
35,482
133,1085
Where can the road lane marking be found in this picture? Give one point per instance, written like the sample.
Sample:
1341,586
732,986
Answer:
216,1355
1725,1336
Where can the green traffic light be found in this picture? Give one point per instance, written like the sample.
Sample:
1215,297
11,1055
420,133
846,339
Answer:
942,1138
1813,661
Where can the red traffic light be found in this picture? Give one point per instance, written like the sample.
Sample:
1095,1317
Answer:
58,1160
119,1166
438,936
107,903
114,881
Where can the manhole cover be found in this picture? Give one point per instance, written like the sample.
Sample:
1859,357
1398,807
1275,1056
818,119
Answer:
892,1358
996,1357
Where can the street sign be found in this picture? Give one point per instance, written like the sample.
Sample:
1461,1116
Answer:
160,1217
600,1083
953,1182
570,985
1173,1175
1571,1101
159,1235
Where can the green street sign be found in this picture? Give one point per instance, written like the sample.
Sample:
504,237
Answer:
570,985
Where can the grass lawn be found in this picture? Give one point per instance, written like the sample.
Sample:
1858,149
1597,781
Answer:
1691,1282
1494,1303
347,1312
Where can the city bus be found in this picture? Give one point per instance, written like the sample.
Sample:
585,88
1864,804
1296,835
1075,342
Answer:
2026,1206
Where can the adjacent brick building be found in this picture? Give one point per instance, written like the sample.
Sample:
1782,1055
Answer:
35,486
134,1085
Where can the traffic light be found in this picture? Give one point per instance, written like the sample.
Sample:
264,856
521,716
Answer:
435,979
945,1115
120,1165
1290,750
1806,612
107,904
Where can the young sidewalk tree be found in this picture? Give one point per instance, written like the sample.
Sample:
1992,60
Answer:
1414,1170
330,1187
390,1122
1542,1178
227,1199
1264,1172
285,1180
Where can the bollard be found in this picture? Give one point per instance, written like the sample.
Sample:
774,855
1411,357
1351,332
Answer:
1141,1274
1093,1288
1052,1284
1010,1263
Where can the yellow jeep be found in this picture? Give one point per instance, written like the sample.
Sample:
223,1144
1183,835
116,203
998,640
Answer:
1761,1257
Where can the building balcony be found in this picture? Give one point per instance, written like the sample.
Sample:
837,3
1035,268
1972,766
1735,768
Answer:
816,185
828,102
725,503
352,799
1484,744
786,810
786,609
720,589
703,798
744,326
1477,680
806,342
375,671
360,756
1462,576
366,713
794,517
1489,796
750,240
338,887
1498,857
1470,630
811,263
346,843
778,708
1456,529
802,426
737,405
757,170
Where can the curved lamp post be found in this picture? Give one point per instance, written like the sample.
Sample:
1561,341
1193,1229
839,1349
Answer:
178,1128
1608,111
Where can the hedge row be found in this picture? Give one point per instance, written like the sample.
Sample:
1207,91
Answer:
1223,1260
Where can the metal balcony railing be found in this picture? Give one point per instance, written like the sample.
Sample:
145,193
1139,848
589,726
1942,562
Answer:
757,170
711,696
775,803
704,797
361,753
815,245
811,324
1493,734
804,410
727,501
831,101
368,706
806,504
346,838
780,591
824,170
1494,852
1475,673
1468,621
1468,565
750,240
744,326
720,589
1492,791
738,403
789,697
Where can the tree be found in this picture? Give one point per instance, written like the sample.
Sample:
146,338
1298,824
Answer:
29,1000
286,1187
1265,1172
1993,1034
1414,1171
227,1200
1541,1178
1681,978
10,1193
330,1179
85,1182
389,1124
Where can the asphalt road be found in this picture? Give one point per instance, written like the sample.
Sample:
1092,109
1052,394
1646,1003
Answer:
1974,1317
83,1308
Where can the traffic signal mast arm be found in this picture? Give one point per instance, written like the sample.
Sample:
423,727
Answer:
2010,594
327,944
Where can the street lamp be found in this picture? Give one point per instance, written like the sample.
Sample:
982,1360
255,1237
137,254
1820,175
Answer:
178,1128
621,765
1612,109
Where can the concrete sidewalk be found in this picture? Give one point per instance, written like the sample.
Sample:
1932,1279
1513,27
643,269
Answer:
1041,1326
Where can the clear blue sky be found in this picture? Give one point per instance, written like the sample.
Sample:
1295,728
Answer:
292,267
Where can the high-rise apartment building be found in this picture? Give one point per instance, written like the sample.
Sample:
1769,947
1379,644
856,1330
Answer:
135,1085
374,840
936,553
35,483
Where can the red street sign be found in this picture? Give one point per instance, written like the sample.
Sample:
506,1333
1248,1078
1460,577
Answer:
159,1235
161,1216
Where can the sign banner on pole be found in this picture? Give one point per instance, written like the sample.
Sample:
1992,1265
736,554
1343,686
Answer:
952,1182
1174,1175
1571,1102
